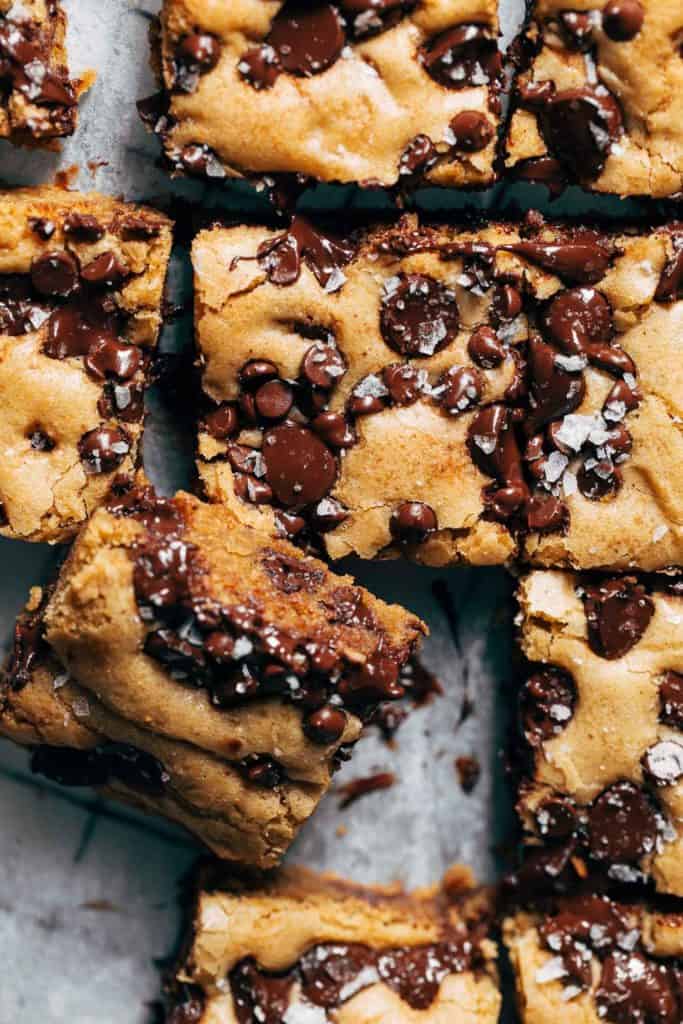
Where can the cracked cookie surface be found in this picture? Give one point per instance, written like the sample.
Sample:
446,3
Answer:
81,289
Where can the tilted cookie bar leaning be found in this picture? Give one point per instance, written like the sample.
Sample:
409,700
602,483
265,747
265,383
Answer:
81,289
357,91
203,671
303,947
454,394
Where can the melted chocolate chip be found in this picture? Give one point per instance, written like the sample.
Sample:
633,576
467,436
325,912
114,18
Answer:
412,522
334,430
579,317
622,824
486,349
323,365
671,700
261,770
55,274
105,270
581,261
403,382
222,422
300,468
547,704
670,287
579,126
103,449
494,450
108,357
462,57
196,53
636,990
325,725
40,441
459,388
577,29
555,392
83,227
42,227
303,40
281,257
556,818
618,611
471,131
419,155
273,400
100,766
622,20
291,575
419,315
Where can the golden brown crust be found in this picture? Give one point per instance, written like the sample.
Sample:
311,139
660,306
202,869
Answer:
47,494
352,122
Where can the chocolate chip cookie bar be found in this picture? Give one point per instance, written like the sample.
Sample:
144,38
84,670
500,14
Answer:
599,97
81,289
305,947
590,958
38,99
200,670
455,395
602,717
380,92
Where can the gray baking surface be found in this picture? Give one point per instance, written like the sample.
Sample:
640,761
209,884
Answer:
88,890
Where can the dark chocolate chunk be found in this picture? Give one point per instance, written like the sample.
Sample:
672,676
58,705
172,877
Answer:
579,126
618,611
55,274
103,449
547,704
462,57
300,468
303,40
471,131
622,20
622,825
419,315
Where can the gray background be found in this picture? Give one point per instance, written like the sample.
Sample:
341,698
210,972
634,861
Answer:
88,889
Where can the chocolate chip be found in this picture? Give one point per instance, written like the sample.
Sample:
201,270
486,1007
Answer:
419,315
506,303
547,704
622,825
83,227
299,466
201,161
618,612
412,522
543,170
419,155
636,990
462,388
598,479
471,131
556,818
328,514
303,40
274,399
55,273
132,767
334,429
622,20
325,725
555,391
486,349
261,770
671,700
281,257
222,422
256,372
69,766
546,514
579,126
493,448
663,762
250,488
670,287
578,317
323,365
198,51
42,227
108,357
403,382
40,441
106,269
103,449
581,261
462,57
